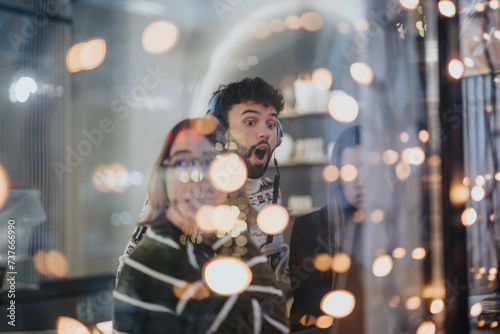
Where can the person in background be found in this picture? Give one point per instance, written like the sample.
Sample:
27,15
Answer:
249,109
162,286
332,230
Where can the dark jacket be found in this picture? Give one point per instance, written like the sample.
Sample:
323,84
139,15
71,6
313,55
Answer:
309,286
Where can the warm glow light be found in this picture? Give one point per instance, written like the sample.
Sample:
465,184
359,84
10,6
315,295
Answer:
324,321
206,125
311,21
418,253
394,301
377,216
424,136
399,253
227,275
330,173
382,265
342,107
404,136
409,4
92,54
469,217
293,22
338,304
476,310
497,176
224,218
159,37
39,262
413,155
272,219
456,68
458,194
73,62
477,193
361,24
105,327
402,170
204,218
260,30
361,73
67,325
277,25
348,173
341,262
228,173
434,160
413,303
4,186
21,90
358,216
447,8
480,180
55,263
322,78
390,157
426,327
437,306
479,7
494,4
469,62
322,262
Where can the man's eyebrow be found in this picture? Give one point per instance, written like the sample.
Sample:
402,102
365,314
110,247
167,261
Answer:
180,152
251,111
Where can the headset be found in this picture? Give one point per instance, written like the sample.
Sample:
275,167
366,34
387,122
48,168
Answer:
212,111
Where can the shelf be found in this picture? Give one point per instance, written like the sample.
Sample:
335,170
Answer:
294,162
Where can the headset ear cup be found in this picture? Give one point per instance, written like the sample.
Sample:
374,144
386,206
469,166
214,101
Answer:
280,133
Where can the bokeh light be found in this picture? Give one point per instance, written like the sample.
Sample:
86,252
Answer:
311,21
426,327
348,173
437,306
404,136
330,173
476,310
293,22
56,263
413,155
206,125
480,180
447,8
159,37
390,157
322,262
382,265
469,216
227,275
21,89
399,253
413,303
341,262
273,219
409,4
260,30
477,193
86,56
402,170
377,216
224,218
494,4
338,304
424,136
204,218
418,253
4,186
277,25
67,325
324,321
456,68
39,262
228,173
342,107
361,73
458,194
322,78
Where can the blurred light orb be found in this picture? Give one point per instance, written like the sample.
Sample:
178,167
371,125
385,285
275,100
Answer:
404,136
377,216
424,136
324,321
426,327
413,303
227,275
73,62
338,304
206,125
228,173
273,219
348,173
469,62
480,180
223,218
458,194
39,262
409,4
293,22
437,306
447,8
477,193
277,25
414,155
382,266
341,262
476,310
204,218
159,36
330,173
469,216
361,73
67,325
260,30
456,68
322,78
4,186
55,263
494,4
358,216
21,89
92,54
402,170
342,107
311,21
418,253
361,24
399,253
390,157
322,262
479,7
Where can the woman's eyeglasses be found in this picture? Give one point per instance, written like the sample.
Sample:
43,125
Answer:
186,160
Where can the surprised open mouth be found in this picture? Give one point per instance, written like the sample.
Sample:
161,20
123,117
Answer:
260,154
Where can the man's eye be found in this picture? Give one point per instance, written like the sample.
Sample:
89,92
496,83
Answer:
271,125
250,122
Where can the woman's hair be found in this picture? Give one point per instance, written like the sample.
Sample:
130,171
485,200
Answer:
157,188
340,211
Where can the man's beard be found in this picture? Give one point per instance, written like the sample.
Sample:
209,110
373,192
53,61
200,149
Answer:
254,172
